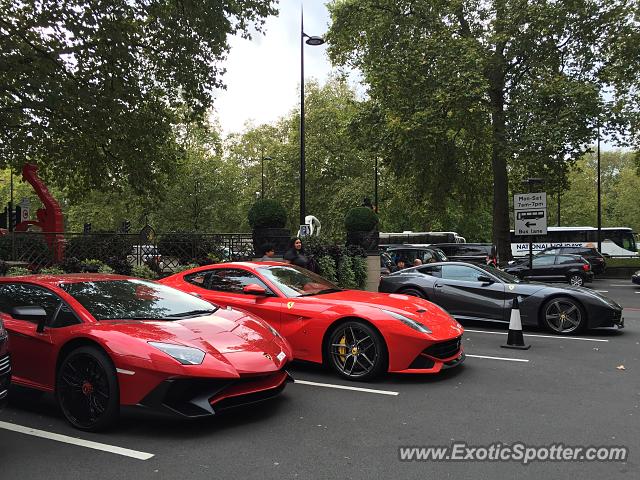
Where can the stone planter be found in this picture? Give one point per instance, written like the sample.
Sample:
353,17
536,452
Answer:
279,237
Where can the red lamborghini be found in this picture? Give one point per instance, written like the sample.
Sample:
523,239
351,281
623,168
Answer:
101,341
359,334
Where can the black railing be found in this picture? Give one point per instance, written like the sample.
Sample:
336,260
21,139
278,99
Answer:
163,251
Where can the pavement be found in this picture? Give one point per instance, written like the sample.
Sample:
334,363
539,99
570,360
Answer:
563,390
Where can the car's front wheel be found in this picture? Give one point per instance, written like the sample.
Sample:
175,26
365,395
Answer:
564,315
413,292
87,389
576,280
356,351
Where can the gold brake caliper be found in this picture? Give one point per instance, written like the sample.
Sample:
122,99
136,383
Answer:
342,351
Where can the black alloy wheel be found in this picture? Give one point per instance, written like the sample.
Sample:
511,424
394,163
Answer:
87,389
564,315
356,351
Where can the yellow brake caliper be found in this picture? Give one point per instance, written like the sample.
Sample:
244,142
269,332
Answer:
342,351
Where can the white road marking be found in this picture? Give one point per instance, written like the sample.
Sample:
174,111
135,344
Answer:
499,358
345,387
76,441
625,285
556,337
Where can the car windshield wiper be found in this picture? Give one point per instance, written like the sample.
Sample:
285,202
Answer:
319,292
193,313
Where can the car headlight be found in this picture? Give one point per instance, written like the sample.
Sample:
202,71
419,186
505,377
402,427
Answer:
408,321
184,355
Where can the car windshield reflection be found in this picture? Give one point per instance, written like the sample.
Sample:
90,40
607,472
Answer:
294,281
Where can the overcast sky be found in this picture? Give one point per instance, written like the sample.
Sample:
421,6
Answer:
263,74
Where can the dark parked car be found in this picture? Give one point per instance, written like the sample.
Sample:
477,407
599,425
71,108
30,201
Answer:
554,268
427,254
5,365
592,255
468,252
479,292
635,278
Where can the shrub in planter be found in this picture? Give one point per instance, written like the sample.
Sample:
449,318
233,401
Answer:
268,220
142,271
327,268
361,224
119,265
51,271
18,272
71,265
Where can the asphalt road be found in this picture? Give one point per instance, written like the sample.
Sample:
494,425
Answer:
567,391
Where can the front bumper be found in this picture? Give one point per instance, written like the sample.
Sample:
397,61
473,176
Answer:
5,379
203,397
437,357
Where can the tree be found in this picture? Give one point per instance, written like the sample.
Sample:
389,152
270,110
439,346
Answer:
88,88
460,88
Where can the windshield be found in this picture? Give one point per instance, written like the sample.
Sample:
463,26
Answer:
294,281
134,299
504,276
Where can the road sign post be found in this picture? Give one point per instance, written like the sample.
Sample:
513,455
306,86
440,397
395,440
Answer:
530,217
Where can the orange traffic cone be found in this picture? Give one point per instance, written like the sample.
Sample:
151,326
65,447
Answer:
515,338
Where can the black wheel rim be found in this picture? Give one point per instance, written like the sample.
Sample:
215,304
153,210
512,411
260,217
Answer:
83,390
563,316
354,351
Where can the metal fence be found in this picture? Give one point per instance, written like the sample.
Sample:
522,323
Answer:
162,251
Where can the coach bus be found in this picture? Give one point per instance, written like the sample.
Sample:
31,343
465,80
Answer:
419,238
616,241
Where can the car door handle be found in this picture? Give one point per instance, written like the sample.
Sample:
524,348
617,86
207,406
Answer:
438,285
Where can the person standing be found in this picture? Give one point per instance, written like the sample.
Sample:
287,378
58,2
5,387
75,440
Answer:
269,251
295,253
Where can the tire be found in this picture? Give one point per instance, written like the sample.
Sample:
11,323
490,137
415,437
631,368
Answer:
564,316
87,389
413,292
364,354
576,280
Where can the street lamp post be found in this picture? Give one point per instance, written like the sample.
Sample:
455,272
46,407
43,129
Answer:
313,41
262,159
375,190
599,203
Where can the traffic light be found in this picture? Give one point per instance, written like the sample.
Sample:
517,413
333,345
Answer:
126,226
87,228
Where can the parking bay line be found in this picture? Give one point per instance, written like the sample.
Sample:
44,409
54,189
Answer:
499,358
345,387
541,336
76,441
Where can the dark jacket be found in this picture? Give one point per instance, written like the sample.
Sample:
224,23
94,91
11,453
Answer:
296,257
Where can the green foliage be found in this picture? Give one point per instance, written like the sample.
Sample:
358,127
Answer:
18,272
267,214
51,271
360,219
486,91
328,268
143,271
182,268
345,274
359,267
94,85
104,268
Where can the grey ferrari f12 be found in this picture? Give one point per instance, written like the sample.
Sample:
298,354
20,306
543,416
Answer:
478,292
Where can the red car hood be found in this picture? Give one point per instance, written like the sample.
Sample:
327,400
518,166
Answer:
416,307
225,331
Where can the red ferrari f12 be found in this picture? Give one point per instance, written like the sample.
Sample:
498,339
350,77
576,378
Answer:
101,341
360,334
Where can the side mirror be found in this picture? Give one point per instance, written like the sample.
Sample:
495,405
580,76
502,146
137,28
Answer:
254,289
485,279
31,313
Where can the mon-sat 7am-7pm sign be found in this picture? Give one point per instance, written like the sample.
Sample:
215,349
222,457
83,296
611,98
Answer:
530,213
